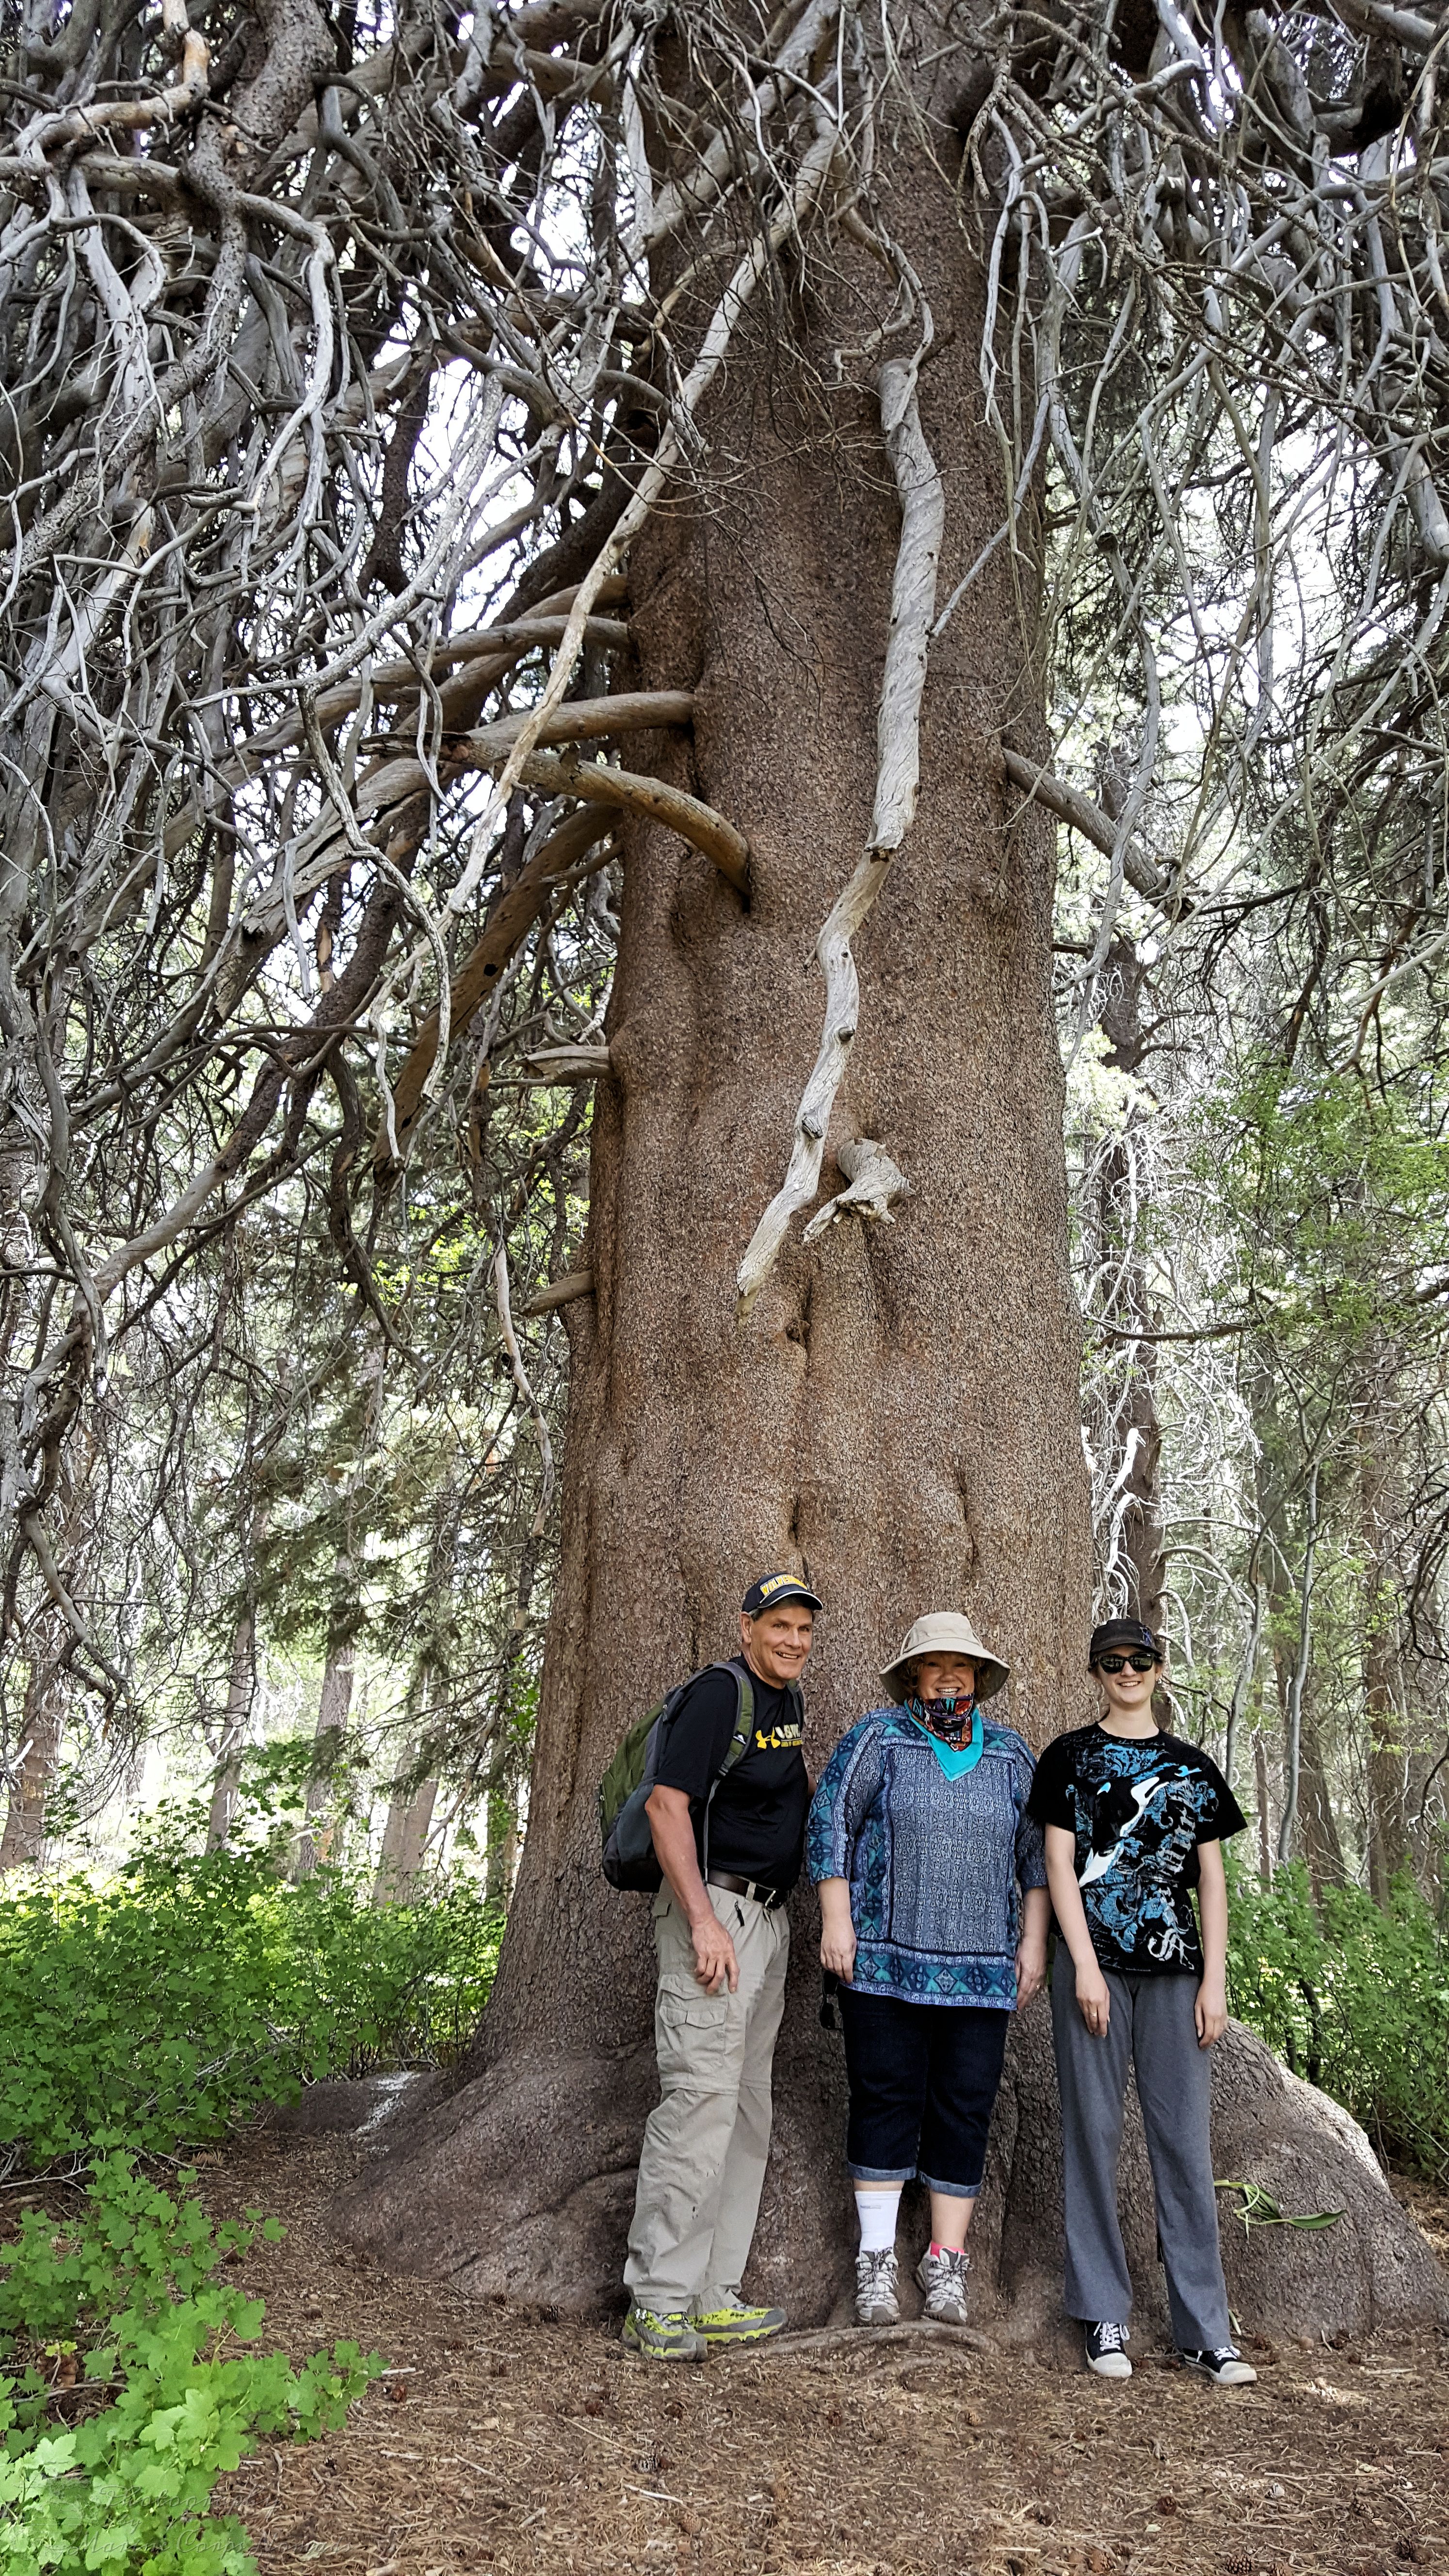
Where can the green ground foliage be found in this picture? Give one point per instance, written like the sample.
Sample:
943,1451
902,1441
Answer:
166,2008
1353,1996
136,2387
138,2018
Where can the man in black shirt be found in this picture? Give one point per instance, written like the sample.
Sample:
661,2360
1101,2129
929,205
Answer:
730,1849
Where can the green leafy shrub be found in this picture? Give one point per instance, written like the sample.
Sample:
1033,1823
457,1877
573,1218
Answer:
117,2474
159,2011
1354,1996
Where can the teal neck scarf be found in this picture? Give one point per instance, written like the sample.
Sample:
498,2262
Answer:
941,1720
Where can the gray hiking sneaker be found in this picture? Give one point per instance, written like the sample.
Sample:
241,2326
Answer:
943,2278
667,2338
1107,2350
876,2303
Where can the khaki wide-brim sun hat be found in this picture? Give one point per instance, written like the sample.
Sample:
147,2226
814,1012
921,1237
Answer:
945,1632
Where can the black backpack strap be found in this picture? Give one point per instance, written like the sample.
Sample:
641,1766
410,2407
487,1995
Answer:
739,1742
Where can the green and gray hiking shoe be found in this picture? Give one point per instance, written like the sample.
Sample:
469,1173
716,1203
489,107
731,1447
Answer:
667,2338
735,2324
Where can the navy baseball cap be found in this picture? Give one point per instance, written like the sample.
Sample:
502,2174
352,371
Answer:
769,1591
1123,1637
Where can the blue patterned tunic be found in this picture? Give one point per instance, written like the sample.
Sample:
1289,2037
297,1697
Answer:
933,1864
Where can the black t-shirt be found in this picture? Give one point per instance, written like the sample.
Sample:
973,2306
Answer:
757,1821
1138,1807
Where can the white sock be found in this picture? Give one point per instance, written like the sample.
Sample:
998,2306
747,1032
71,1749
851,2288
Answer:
876,2211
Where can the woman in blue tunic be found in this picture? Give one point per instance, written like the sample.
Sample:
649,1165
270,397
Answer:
919,1841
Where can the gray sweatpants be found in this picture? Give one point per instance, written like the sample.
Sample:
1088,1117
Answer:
1150,2023
702,2164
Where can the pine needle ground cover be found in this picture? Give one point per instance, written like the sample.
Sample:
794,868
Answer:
500,2443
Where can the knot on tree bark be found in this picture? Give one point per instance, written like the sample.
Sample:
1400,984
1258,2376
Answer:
874,1180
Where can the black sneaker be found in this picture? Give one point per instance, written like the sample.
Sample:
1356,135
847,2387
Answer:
1107,2350
1226,2366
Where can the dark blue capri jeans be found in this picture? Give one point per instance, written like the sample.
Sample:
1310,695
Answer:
923,2079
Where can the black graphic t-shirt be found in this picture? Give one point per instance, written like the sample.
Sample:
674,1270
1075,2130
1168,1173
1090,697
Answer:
757,1821
1138,1807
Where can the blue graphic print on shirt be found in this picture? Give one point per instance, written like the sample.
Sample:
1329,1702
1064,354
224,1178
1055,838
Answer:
1138,1808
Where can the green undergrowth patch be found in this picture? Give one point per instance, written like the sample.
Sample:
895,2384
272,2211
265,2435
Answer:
164,2009
1355,1997
130,2383
138,2018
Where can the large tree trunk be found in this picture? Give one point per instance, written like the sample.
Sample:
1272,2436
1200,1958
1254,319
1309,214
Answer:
899,1417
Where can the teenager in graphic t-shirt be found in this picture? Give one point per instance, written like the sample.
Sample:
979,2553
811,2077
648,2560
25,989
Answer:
1135,1821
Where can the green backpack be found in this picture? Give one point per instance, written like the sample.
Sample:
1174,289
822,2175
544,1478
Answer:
630,1860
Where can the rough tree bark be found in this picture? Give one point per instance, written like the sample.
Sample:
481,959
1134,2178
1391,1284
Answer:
898,1417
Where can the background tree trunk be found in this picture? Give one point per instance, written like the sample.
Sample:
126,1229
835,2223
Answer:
899,1418
404,1843
241,1689
1382,1652
1138,1507
23,1841
410,1807
501,1865
334,1706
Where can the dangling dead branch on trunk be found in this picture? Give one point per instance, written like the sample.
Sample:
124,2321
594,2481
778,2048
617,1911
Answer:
898,769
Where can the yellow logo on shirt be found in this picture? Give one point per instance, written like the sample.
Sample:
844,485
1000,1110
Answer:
781,1739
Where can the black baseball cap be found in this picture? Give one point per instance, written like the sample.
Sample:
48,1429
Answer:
769,1591
1123,1637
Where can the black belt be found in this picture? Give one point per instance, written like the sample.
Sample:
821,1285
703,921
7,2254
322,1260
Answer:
766,1896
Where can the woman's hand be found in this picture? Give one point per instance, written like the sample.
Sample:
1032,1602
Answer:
1210,2012
1030,1972
837,1932
1031,1949
1094,2001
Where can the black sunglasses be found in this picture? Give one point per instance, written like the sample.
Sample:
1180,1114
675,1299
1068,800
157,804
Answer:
1140,1663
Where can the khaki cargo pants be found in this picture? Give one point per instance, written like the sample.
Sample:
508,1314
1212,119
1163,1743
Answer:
702,2164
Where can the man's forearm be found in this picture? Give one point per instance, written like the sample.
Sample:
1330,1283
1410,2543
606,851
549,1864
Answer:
673,1830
